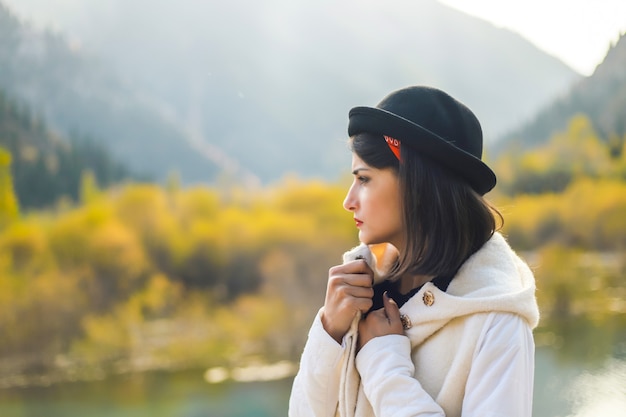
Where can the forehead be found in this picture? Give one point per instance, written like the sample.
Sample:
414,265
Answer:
358,162
360,167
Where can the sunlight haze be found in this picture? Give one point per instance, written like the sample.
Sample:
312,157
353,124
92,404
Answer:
579,32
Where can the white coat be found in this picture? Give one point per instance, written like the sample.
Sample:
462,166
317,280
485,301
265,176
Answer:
469,352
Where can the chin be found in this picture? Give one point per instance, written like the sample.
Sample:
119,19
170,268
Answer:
369,240
376,240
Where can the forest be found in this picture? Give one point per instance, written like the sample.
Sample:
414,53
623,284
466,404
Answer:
138,276
46,166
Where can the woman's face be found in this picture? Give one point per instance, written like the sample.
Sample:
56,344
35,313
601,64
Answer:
374,199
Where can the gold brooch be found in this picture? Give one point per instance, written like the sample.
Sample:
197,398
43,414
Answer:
428,298
406,321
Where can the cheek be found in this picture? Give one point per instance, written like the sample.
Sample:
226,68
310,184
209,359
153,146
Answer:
393,201
372,202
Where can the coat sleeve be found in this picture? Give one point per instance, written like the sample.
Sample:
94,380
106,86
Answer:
315,391
500,382
501,379
387,373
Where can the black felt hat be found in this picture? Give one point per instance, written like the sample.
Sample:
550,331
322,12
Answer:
434,124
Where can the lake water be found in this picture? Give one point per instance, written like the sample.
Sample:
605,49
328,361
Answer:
561,390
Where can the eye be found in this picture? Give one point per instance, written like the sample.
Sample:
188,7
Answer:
362,179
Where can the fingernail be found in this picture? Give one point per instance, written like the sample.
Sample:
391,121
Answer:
391,300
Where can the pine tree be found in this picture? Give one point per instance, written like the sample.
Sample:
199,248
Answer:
89,190
9,209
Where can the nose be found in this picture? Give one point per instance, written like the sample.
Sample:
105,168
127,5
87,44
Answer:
349,203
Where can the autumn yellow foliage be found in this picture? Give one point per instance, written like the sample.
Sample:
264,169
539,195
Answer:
144,276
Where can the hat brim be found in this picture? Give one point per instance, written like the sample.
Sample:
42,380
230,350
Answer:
382,122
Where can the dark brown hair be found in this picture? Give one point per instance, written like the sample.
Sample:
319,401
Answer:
445,220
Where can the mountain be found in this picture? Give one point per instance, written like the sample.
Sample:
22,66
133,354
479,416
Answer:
46,167
263,87
77,95
601,97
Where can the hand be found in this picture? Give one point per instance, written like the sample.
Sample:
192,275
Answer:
349,291
381,322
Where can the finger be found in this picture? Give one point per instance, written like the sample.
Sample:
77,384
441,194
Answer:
391,308
353,286
357,298
359,280
357,266
359,292
377,315
364,304
345,282
352,280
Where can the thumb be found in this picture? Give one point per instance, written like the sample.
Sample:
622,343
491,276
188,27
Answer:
391,308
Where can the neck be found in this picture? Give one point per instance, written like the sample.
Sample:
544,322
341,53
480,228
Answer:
409,282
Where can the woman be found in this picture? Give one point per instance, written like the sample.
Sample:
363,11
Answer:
445,327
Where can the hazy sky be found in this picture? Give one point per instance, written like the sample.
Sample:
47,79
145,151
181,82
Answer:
578,32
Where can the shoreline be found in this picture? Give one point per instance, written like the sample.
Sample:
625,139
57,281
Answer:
252,373
257,371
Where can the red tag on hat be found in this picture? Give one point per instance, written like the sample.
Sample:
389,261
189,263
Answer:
394,145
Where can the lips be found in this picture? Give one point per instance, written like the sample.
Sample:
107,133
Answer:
358,222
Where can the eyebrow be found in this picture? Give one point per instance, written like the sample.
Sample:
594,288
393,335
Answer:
356,171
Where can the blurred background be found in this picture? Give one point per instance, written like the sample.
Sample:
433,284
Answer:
171,179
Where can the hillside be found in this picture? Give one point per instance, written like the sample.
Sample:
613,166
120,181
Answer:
601,97
263,87
78,95
46,167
